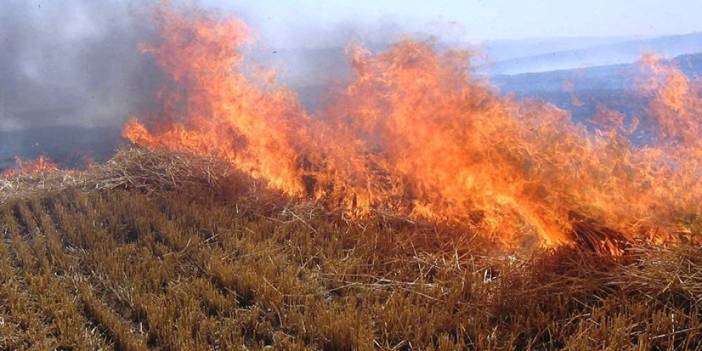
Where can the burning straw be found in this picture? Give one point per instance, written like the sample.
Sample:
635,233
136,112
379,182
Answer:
416,132
160,170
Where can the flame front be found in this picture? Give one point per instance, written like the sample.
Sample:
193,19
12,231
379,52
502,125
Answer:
415,133
40,165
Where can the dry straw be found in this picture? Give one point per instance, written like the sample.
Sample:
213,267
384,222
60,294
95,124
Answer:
134,168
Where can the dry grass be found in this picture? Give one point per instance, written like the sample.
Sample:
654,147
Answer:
133,168
168,252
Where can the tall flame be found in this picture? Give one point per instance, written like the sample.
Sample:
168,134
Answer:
414,132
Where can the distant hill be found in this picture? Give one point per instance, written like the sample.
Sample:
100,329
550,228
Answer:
503,50
607,54
581,90
613,77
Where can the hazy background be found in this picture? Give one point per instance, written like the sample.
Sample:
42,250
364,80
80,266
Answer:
71,73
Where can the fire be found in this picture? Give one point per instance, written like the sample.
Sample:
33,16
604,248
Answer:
416,133
222,112
40,165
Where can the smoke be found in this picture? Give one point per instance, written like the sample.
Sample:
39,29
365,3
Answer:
310,55
74,62
78,63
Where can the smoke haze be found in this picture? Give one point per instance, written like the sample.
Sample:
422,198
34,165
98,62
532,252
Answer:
73,62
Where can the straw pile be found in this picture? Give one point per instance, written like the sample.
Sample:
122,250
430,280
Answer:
133,168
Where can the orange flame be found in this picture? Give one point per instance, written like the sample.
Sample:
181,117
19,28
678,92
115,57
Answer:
40,165
414,132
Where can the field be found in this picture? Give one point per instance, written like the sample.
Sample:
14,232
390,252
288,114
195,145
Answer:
202,265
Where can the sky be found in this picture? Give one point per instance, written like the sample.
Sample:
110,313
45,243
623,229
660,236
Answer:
477,20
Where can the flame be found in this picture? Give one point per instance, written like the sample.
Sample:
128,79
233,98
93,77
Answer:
415,133
40,165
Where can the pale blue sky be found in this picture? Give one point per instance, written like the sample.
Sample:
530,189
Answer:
479,19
